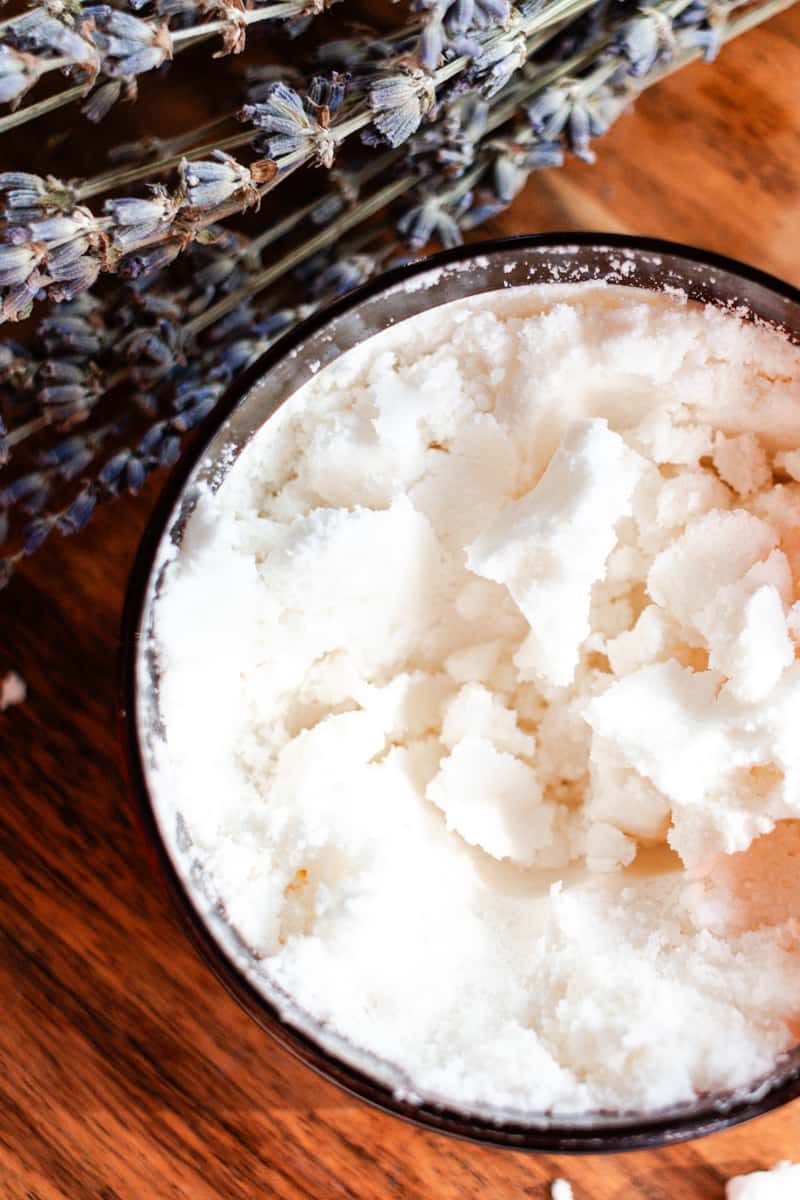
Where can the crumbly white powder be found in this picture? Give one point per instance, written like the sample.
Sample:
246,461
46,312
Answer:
13,690
480,686
781,1183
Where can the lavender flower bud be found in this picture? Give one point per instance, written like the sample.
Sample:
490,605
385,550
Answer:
24,489
129,45
37,30
645,40
18,301
79,513
133,210
18,263
494,65
69,395
709,40
68,458
111,475
137,220
431,44
290,129
104,97
328,92
66,334
17,73
343,276
135,475
549,112
170,451
60,371
29,197
399,101
152,440
134,266
36,533
208,183
427,219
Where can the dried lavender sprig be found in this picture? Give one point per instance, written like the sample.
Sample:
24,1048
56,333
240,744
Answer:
77,393
70,261
334,201
510,166
326,237
87,499
495,54
117,45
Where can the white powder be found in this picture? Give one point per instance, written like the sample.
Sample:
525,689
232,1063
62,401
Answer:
480,686
781,1183
13,690
560,1189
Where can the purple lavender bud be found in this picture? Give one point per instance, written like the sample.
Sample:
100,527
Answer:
135,474
71,335
13,180
329,91
495,64
79,513
23,487
290,129
548,113
151,441
578,131
103,99
69,458
460,16
18,300
193,414
274,325
36,533
65,394
431,45
170,451
17,74
210,182
398,103
544,154
17,263
111,475
643,41
73,277
61,371
37,30
135,265
133,210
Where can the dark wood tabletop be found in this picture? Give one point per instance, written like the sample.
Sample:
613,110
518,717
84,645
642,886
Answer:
126,1072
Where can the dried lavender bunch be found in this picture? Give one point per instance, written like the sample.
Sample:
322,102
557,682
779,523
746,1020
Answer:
491,55
107,43
54,244
172,341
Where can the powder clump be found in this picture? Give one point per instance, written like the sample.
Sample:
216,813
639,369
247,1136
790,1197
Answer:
781,1183
480,686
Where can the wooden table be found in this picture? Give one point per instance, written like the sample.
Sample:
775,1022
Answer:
126,1072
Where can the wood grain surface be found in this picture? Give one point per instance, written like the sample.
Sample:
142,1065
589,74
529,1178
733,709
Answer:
126,1072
